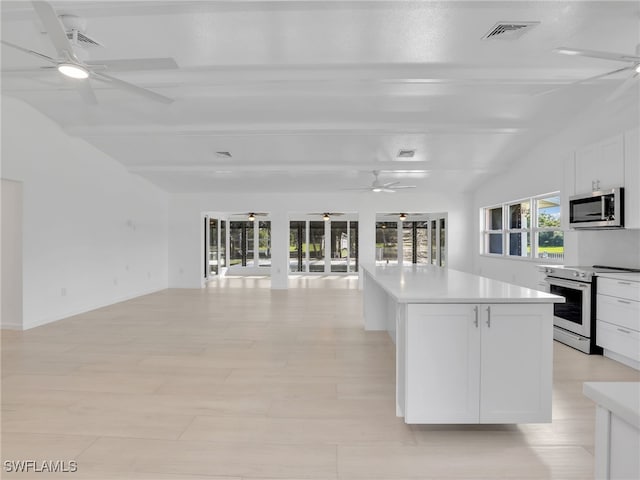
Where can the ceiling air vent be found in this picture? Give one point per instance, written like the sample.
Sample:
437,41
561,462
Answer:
226,155
406,153
509,30
81,39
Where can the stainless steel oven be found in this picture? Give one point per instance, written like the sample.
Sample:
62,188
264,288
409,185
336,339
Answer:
575,314
573,321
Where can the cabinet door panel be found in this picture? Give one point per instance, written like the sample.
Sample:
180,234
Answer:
442,368
600,166
618,340
621,312
516,357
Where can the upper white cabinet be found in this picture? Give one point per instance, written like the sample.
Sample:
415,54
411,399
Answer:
614,162
600,166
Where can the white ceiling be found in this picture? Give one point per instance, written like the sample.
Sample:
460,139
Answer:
311,96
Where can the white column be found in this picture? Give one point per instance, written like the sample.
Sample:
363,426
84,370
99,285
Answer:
366,239
279,250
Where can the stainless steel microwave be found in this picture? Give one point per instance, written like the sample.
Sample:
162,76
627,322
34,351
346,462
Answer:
603,209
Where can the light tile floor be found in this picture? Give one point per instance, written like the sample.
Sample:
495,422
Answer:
237,381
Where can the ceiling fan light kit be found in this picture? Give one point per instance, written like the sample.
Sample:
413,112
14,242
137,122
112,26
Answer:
68,63
73,71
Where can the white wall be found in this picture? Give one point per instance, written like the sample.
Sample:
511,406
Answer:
11,257
542,171
185,218
93,234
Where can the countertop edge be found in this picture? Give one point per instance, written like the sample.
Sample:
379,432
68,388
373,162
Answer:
621,398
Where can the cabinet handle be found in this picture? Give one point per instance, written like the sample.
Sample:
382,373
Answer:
475,309
489,317
624,301
623,330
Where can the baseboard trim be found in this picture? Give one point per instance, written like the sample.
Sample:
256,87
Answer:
71,313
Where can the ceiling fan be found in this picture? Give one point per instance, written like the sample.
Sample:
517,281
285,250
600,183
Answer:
377,186
68,63
251,216
326,216
633,65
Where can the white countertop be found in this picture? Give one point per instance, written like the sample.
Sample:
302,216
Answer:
621,398
431,284
630,277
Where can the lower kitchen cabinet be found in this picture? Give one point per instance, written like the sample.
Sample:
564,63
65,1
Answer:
475,363
618,319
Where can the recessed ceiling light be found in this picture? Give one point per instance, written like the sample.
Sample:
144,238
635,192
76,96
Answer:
223,154
638,68
72,70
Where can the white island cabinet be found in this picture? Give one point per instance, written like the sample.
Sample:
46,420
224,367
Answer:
468,349
617,440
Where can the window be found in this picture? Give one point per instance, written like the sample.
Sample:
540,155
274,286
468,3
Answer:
309,251
387,242
408,242
264,244
527,228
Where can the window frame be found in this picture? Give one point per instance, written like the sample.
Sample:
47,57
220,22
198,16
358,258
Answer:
532,230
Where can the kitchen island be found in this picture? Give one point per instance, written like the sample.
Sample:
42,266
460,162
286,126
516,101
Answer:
469,349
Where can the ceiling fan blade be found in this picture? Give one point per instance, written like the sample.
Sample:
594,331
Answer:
133,88
133,64
54,28
584,80
628,83
620,57
84,89
389,184
403,186
30,52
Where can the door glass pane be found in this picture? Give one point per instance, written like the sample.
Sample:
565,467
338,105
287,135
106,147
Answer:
213,246
443,243
407,242
241,243
297,238
386,243
235,243
248,252
223,243
353,246
316,246
264,248
434,244
205,255
339,246
422,242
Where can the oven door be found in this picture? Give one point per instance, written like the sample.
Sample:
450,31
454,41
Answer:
575,314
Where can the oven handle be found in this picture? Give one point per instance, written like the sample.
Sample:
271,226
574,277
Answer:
567,283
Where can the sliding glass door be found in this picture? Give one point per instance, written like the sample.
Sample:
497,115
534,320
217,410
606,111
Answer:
310,252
